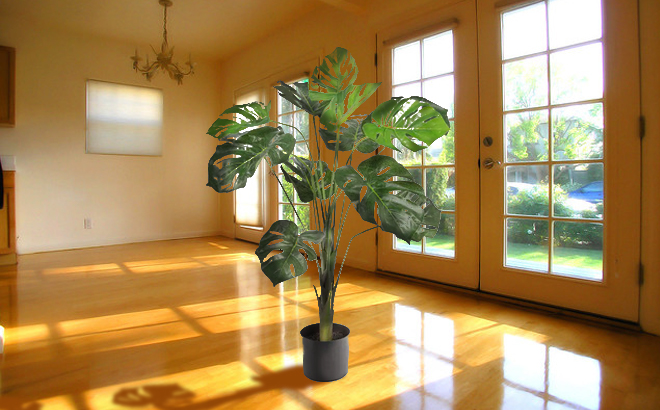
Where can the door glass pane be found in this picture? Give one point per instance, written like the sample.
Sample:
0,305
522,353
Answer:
524,31
442,151
573,52
429,74
527,244
574,21
578,250
438,54
578,190
577,132
441,91
526,83
407,90
444,242
441,187
577,74
527,136
407,63
527,190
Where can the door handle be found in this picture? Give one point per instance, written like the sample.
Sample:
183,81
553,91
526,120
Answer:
489,163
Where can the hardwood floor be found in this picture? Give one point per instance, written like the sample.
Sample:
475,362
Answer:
194,324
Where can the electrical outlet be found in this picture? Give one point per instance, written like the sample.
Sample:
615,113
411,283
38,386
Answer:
88,223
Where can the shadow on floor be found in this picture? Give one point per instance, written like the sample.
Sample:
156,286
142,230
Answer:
173,396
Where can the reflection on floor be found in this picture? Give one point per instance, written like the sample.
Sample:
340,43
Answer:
194,324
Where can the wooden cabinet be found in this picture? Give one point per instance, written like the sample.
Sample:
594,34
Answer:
7,86
8,222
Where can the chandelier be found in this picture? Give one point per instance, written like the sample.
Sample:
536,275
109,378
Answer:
164,58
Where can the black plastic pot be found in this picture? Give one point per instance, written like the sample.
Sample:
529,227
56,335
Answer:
325,361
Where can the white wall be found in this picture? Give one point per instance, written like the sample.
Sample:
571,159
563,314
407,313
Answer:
128,198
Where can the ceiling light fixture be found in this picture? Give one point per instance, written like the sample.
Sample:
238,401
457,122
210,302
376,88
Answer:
164,58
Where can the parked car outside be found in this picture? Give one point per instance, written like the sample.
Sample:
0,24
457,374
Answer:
591,192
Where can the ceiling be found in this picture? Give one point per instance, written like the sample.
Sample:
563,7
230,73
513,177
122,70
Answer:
211,29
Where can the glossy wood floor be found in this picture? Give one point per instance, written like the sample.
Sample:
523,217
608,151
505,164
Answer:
194,324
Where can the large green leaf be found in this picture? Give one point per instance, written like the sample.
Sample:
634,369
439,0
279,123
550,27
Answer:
333,83
298,95
283,236
399,203
310,179
349,135
249,115
407,119
239,155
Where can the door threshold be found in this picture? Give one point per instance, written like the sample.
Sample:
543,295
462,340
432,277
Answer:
555,311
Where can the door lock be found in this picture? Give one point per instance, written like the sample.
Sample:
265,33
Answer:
489,163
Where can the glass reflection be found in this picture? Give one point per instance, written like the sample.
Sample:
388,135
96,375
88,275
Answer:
538,376
424,357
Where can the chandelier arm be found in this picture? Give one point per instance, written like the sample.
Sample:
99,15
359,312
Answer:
145,69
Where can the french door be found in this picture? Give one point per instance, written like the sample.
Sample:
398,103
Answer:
542,185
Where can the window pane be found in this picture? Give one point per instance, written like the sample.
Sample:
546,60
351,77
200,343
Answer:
578,250
301,150
405,156
574,21
438,54
527,136
527,190
284,106
303,212
578,191
301,120
577,74
289,190
400,245
577,132
527,244
444,242
441,91
286,212
407,63
526,83
524,31
408,90
441,187
441,152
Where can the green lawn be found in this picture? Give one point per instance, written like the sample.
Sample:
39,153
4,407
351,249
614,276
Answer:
575,257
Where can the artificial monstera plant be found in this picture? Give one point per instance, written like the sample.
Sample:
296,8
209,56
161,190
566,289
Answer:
383,192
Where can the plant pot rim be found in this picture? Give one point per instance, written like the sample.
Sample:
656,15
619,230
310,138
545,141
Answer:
309,330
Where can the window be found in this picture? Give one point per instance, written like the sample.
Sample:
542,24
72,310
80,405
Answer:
288,113
123,119
426,68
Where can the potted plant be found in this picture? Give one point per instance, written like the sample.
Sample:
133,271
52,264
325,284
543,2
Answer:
382,191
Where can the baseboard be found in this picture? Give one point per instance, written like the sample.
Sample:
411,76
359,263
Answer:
116,241
590,318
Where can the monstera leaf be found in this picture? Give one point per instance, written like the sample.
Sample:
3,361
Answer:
314,179
407,119
399,203
348,136
283,236
249,115
238,156
299,96
333,84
